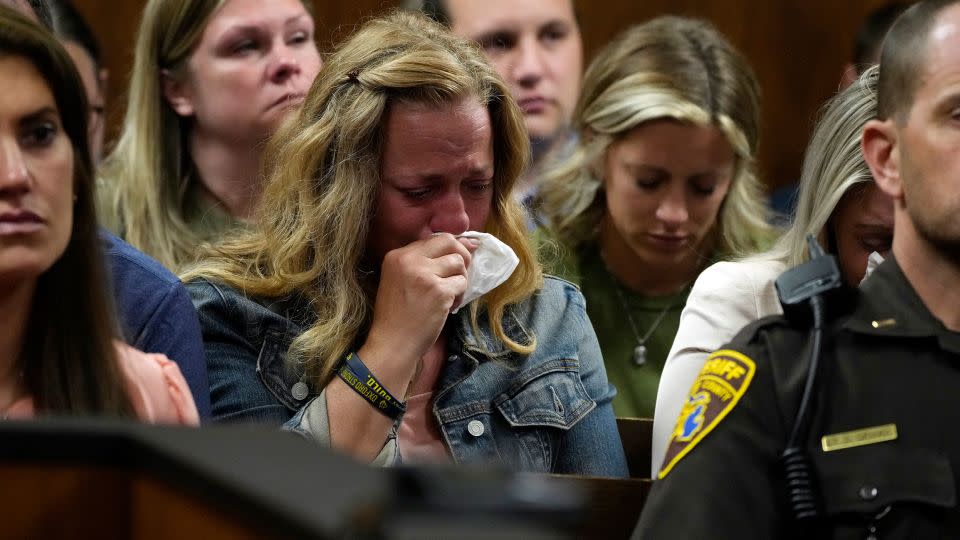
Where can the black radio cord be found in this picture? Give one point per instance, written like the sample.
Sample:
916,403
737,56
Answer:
795,461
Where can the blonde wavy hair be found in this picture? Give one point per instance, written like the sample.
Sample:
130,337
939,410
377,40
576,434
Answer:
832,166
148,174
324,176
670,67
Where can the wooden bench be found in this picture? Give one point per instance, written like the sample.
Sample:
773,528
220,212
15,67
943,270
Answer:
637,436
614,504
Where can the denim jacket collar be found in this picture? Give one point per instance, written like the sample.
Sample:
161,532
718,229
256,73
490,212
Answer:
485,344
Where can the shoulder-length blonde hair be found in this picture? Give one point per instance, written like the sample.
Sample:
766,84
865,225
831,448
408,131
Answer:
670,67
149,171
833,164
324,176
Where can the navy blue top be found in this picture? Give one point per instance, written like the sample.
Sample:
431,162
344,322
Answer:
156,314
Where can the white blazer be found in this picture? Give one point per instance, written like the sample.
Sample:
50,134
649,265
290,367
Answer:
726,297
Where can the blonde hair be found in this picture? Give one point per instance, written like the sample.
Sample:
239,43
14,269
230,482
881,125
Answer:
324,176
832,165
149,172
670,67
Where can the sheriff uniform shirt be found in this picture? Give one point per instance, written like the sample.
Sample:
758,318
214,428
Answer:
884,440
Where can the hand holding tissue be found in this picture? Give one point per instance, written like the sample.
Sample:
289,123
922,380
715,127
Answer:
492,263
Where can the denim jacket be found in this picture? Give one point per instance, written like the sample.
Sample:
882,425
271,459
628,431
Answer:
549,411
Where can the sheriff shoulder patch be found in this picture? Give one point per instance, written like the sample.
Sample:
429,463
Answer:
721,383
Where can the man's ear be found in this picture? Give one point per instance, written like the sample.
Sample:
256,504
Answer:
177,93
881,151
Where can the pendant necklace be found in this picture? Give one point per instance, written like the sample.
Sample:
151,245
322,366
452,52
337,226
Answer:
639,356
640,351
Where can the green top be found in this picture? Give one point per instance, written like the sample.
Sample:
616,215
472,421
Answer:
610,306
204,216
636,385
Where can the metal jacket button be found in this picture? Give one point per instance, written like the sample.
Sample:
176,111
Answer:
475,428
299,391
868,493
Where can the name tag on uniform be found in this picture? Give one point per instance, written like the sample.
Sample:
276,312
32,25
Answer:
859,437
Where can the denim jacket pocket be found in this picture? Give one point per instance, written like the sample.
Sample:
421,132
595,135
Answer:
273,372
551,394
540,407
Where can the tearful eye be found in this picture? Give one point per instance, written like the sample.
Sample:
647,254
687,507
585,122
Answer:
479,187
416,194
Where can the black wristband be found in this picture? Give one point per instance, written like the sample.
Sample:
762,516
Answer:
353,372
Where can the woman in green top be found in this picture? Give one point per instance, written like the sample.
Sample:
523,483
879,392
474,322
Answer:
660,184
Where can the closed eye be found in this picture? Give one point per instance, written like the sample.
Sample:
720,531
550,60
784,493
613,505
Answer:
649,184
880,244
704,189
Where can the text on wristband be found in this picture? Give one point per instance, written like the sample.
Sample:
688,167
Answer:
364,389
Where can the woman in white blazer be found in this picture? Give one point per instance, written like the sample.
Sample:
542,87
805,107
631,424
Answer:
838,202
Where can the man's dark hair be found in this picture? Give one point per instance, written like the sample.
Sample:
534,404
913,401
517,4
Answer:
42,10
866,48
904,57
69,25
436,11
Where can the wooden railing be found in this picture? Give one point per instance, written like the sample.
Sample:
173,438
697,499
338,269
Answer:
146,484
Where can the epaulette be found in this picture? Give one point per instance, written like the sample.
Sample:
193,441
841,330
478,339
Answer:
749,333
840,303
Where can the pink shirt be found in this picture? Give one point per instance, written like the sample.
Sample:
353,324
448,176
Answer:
156,388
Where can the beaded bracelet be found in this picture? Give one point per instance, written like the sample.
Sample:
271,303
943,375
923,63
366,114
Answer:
353,372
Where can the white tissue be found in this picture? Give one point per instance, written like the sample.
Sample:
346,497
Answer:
873,261
491,264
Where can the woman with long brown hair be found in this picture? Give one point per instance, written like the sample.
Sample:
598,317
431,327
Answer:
58,353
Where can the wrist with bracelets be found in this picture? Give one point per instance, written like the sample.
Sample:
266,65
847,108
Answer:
355,374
